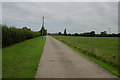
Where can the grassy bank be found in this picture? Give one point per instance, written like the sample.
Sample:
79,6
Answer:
21,60
105,48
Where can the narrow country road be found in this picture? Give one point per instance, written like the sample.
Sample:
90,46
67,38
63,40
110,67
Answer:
60,61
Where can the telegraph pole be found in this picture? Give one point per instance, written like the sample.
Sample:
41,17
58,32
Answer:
42,26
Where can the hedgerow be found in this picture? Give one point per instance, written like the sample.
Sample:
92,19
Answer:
12,35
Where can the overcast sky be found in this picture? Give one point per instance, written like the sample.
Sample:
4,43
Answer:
74,16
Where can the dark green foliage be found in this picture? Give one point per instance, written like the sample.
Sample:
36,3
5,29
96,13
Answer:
13,35
69,34
59,33
65,33
92,33
44,31
76,34
103,34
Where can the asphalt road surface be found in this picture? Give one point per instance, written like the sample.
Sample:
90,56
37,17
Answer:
60,61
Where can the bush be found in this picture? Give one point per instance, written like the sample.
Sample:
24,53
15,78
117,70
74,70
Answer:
13,35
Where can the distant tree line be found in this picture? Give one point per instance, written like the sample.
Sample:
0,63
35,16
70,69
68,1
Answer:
92,34
14,35
87,34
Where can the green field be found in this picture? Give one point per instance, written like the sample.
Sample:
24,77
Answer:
103,50
21,60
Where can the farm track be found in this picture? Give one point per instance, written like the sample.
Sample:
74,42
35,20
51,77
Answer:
60,61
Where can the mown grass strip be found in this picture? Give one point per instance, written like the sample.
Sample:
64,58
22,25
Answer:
21,60
97,61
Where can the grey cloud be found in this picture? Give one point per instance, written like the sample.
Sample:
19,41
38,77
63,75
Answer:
82,16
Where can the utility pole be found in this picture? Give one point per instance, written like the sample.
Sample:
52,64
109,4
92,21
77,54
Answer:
42,26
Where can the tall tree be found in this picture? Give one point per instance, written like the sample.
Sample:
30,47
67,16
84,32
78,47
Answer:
92,33
65,33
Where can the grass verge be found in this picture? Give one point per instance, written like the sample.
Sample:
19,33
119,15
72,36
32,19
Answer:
21,60
97,61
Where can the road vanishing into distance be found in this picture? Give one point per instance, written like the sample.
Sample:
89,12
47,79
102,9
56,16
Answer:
60,61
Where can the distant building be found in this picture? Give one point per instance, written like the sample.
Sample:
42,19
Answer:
25,28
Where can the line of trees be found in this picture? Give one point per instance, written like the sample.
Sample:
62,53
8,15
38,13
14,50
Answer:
92,34
88,34
14,35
